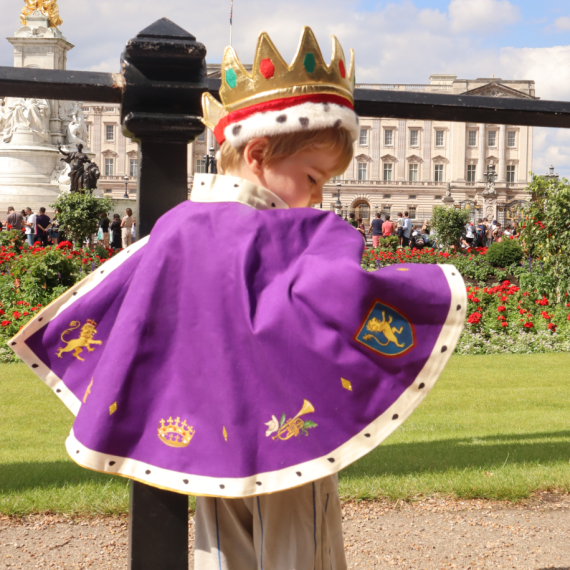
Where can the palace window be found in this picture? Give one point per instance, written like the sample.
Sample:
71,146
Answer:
109,166
388,137
472,138
388,170
413,173
109,109
109,132
471,172
511,138
492,138
412,212
200,166
412,197
363,139
414,137
387,196
438,173
510,173
362,171
437,197
133,167
439,138
201,137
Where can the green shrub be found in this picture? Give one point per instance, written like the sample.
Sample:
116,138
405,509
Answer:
79,214
13,238
101,252
449,224
389,242
505,253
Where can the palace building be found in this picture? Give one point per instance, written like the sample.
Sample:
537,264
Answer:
398,164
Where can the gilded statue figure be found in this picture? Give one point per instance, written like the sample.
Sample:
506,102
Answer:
46,7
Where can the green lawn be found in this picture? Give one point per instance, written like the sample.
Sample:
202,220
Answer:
494,426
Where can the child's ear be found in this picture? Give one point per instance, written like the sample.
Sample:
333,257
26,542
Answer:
253,155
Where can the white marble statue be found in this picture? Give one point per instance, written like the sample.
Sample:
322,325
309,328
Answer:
77,129
24,114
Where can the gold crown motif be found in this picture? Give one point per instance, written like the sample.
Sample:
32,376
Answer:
175,434
272,79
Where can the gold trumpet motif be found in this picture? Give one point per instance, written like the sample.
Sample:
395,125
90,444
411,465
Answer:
48,8
286,429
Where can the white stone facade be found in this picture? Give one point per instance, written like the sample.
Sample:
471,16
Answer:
389,153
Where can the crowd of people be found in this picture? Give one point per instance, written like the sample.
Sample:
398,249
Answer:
486,232
39,228
410,235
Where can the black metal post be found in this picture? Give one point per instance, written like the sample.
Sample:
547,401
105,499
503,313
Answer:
163,115
158,529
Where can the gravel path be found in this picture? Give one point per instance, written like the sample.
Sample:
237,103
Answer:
429,534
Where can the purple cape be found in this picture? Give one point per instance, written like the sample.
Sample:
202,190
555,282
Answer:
238,352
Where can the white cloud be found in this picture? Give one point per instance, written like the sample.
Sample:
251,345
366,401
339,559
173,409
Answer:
562,24
472,15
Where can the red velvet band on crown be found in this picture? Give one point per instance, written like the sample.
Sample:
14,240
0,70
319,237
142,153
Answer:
275,105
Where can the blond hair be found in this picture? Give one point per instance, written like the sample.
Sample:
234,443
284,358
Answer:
279,147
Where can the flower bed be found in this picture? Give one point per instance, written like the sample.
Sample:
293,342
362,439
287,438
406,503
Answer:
502,318
32,277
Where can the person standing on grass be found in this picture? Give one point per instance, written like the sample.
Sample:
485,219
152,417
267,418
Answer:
498,233
387,227
42,226
30,225
104,225
116,232
406,229
15,219
488,233
400,229
376,230
127,228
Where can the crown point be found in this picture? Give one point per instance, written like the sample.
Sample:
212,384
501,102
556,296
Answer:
310,62
342,69
267,68
231,78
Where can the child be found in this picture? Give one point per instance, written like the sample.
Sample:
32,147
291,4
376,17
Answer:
400,229
249,369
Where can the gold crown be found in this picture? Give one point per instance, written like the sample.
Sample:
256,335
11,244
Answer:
272,79
175,434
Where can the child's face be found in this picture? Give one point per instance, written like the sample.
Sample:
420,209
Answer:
298,180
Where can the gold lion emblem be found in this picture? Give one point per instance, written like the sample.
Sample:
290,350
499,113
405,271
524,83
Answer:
383,326
85,339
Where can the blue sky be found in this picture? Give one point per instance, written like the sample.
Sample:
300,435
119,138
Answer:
398,41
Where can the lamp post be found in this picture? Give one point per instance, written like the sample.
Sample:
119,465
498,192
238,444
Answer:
126,194
338,205
210,160
551,176
346,211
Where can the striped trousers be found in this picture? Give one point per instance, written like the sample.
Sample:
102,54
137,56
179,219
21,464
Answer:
297,529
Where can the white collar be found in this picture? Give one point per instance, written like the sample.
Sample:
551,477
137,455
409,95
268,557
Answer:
221,188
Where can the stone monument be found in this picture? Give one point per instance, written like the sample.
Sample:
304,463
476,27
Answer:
31,173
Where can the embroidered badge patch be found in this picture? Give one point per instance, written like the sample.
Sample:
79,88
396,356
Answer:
386,331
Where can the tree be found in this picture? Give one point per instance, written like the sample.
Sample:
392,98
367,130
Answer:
448,224
78,214
545,234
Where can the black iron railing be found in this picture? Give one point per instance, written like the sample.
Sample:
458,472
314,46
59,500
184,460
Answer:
163,75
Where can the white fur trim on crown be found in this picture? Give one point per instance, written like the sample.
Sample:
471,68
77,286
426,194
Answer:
304,117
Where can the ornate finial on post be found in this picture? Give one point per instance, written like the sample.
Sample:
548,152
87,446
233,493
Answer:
48,8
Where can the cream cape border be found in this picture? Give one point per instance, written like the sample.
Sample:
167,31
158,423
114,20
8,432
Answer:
263,483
